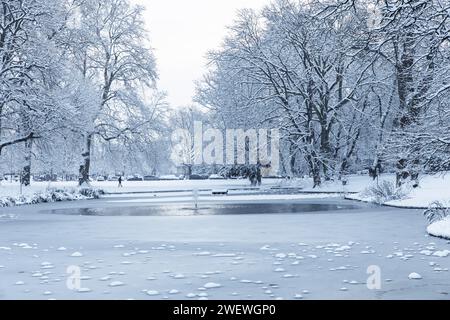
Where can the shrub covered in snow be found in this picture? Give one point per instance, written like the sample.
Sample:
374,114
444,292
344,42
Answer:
7,202
52,195
91,193
385,191
437,211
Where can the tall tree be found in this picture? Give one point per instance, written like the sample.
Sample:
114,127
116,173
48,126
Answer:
114,55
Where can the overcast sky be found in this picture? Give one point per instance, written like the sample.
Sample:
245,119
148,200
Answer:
182,32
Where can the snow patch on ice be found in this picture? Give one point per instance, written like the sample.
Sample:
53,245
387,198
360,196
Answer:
414,276
212,285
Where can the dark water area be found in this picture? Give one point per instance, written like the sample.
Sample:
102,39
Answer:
205,209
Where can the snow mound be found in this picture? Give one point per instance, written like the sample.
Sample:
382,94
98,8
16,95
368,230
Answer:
212,285
152,292
440,228
414,276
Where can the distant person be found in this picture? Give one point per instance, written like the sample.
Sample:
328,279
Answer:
120,182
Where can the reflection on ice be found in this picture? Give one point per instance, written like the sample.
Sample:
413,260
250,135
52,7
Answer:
207,209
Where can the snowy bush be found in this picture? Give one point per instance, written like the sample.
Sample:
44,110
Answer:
7,202
385,191
91,193
52,195
437,211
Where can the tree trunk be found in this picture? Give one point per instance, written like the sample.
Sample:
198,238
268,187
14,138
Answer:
26,173
85,167
316,178
188,171
293,160
325,147
314,166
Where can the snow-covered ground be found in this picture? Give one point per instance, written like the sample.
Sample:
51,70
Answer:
13,188
324,255
432,188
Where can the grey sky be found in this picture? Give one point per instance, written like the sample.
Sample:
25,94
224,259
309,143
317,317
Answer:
182,32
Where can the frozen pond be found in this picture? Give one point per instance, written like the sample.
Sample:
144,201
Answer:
316,248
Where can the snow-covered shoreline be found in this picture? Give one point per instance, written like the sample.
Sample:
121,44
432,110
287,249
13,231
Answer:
432,189
49,196
440,228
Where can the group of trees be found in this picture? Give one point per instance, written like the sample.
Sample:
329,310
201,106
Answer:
76,76
352,84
